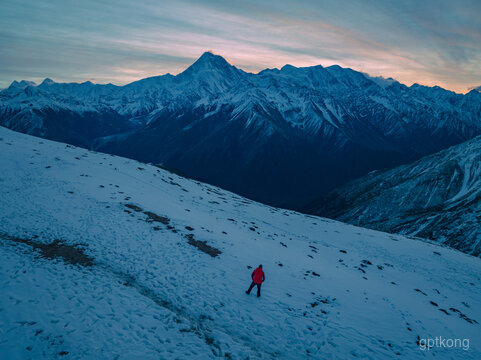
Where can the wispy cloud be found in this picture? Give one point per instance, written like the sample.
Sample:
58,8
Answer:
429,42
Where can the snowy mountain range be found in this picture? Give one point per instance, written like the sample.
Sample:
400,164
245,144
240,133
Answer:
437,197
282,137
106,257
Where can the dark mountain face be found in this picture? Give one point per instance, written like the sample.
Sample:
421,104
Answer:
266,160
282,137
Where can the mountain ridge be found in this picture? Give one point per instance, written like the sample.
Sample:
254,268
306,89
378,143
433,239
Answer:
283,137
438,197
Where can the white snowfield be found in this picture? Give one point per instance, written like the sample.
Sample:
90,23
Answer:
130,277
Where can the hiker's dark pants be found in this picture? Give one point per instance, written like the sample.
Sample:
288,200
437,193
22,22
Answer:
258,288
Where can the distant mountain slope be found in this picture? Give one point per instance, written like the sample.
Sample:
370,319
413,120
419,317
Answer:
437,197
282,137
105,257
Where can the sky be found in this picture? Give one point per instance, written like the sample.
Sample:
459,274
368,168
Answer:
424,41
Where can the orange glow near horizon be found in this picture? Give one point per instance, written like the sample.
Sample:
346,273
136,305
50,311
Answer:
431,44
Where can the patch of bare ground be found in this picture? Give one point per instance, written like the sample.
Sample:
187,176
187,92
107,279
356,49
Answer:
151,217
202,246
157,218
134,207
72,254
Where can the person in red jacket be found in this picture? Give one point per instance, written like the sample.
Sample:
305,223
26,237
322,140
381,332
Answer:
258,278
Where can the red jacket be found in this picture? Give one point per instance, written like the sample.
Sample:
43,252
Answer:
258,276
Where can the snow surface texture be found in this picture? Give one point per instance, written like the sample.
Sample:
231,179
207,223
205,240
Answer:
282,137
131,277
437,197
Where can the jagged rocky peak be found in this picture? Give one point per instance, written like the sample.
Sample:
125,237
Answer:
47,82
209,60
21,84
288,68
210,64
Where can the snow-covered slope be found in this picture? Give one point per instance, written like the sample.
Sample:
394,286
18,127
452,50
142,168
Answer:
437,197
105,257
281,137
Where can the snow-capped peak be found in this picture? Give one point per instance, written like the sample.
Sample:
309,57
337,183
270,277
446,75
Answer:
288,67
47,81
22,84
211,73
210,63
209,60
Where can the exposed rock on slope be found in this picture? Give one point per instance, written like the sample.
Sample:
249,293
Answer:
437,197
